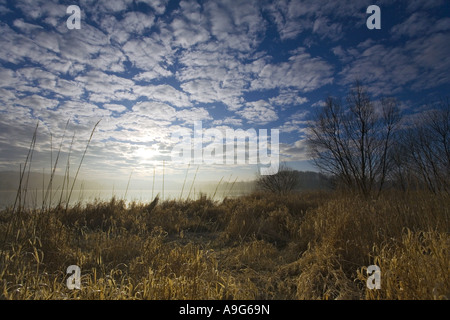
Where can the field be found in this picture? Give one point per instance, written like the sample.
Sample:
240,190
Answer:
314,245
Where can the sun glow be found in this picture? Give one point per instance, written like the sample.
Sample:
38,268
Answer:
146,154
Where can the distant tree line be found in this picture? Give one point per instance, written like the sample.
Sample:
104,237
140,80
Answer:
287,180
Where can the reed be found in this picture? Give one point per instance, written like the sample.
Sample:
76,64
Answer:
128,185
79,166
48,193
193,181
217,187
184,182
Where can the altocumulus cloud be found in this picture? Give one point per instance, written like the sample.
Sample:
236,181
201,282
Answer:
150,67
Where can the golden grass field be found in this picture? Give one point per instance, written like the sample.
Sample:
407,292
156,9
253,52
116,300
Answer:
314,245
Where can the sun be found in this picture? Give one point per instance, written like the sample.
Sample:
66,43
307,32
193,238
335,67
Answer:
145,154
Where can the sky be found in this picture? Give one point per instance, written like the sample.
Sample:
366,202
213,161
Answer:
149,68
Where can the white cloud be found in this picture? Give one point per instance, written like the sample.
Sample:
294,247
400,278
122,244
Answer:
112,5
420,24
189,28
155,110
149,54
297,151
301,71
158,5
296,122
8,78
114,107
417,64
187,34
236,25
164,93
294,17
137,22
26,27
413,5
193,114
232,121
37,103
40,9
258,112
288,97
326,29
105,88
200,90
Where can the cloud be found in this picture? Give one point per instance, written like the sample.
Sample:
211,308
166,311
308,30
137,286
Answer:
418,63
149,54
163,93
295,17
420,24
114,107
301,71
236,25
193,114
37,103
102,87
413,5
297,123
232,121
189,27
155,110
113,6
210,75
288,97
132,24
297,151
41,9
158,5
326,29
26,27
258,112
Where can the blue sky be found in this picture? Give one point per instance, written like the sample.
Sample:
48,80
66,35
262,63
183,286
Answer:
150,67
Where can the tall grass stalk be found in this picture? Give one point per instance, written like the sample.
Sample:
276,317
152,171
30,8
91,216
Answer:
79,166
232,185
50,184
28,158
217,187
153,185
164,163
128,185
193,181
30,162
66,174
184,182
225,189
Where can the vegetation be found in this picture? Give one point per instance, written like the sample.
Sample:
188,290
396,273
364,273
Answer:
363,146
311,245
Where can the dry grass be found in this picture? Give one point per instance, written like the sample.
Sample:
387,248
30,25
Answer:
259,246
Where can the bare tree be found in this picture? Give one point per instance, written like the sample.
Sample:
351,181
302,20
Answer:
428,148
354,142
283,182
